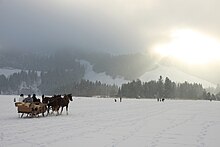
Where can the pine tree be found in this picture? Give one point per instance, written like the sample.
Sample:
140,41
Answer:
167,88
160,87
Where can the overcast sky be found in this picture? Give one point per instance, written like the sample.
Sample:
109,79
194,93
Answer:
117,26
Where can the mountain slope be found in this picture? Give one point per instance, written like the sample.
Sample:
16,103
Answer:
165,71
171,72
175,75
91,75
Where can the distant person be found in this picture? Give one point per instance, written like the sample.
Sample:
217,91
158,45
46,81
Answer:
28,99
42,98
120,99
34,98
115,100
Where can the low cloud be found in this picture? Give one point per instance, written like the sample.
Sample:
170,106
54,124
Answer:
117,26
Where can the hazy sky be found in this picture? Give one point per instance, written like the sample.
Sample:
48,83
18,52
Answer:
117,26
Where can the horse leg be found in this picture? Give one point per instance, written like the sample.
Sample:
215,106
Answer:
53,109
67,110
57,109
61,110
48,109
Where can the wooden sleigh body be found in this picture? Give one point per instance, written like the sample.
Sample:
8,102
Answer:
31,109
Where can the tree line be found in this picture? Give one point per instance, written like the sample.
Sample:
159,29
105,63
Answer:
15,82
60,81
164,89
86,88
54,82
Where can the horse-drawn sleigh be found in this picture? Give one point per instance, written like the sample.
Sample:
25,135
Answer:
53,103
31,109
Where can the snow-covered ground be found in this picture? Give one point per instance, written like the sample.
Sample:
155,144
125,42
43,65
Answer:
97,122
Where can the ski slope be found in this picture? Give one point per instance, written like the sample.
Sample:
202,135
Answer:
99,122
174,75
165,71
91,75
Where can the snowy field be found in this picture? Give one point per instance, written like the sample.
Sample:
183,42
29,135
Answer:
97,122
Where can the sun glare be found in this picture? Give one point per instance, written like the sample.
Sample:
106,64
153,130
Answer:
191,47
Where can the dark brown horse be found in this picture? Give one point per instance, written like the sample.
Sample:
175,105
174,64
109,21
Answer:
52,103
56,101
65,102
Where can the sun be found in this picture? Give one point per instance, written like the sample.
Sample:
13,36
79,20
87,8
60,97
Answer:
190,46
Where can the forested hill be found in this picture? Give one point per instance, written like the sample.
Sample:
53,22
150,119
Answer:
59,70
129,66
26,60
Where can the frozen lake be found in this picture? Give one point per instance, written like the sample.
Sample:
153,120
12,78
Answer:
98,122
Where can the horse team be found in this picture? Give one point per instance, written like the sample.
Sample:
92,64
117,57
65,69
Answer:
56,102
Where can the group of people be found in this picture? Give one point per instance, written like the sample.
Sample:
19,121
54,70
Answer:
28,99
120,99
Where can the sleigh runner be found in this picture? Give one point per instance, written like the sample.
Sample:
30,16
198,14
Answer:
31,109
